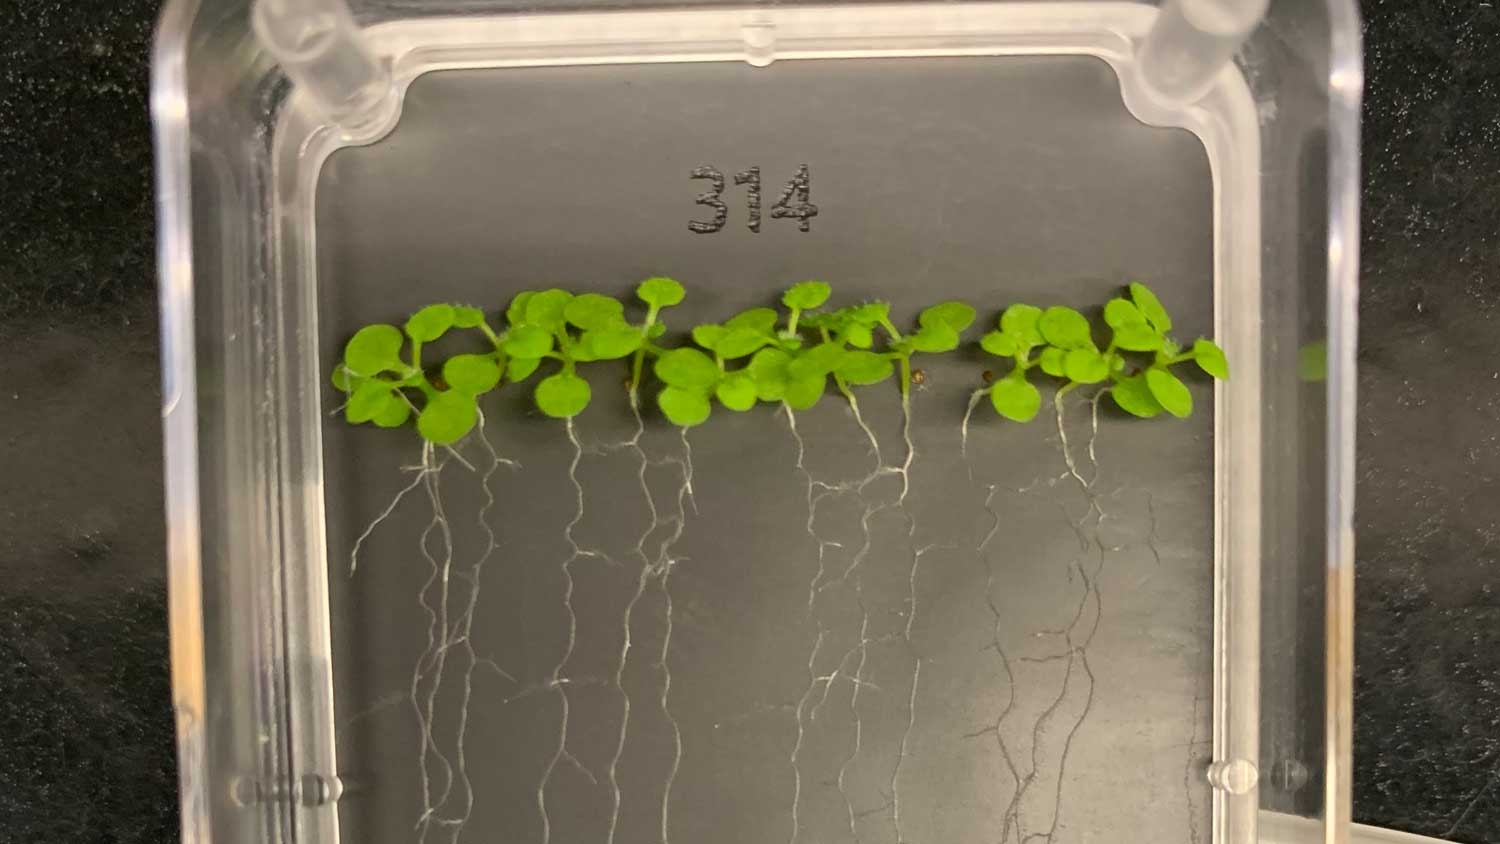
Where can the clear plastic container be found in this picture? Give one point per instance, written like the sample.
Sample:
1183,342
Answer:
1083,629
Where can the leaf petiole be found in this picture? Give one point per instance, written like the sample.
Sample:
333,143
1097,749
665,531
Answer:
490,334
791,323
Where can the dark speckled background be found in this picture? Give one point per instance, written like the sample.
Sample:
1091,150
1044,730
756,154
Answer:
85,727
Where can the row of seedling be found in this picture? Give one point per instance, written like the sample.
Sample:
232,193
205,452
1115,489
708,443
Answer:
789,356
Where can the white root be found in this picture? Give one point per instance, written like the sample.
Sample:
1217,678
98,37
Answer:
1077,635
429,666
643,464
663,569
557,680
443,772
851,578
655,565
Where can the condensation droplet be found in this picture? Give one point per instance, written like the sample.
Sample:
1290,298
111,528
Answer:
1234,776
760,43
318,790
244,791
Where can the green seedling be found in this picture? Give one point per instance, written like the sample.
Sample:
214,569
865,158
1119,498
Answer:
381,384
1136,363
570,329
939,329
791,359
384,387
781,367
658,294
1141,355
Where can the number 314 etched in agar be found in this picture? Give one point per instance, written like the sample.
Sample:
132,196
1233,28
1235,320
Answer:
794,204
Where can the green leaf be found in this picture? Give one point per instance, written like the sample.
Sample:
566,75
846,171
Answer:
1015,398
395,414
563,395
737,391
1121,312
807,295
661,292
1133,396
1065,328
369,400
465,316
864,368
612,342
545,309
998,343
689,369
374,349
1137,337
1211,359
343,380
934,339
859,336
768,369
430,323
1053,361
516,313
447,418
591,311
655,330
820,321
519,369
759,320
1169,391
817,361
528,341
1020,322
870,313
471,374
802,392
955,315
740,342
684,407
1151,307
708,336
1086,366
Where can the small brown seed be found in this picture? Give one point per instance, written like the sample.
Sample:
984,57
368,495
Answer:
918,377
988,376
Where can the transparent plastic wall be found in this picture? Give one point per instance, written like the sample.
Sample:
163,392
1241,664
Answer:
250,648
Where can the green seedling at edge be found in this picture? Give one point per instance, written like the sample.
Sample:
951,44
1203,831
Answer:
380,384
540,326
1136,364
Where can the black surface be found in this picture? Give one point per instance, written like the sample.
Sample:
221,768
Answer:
1427,738
85,728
